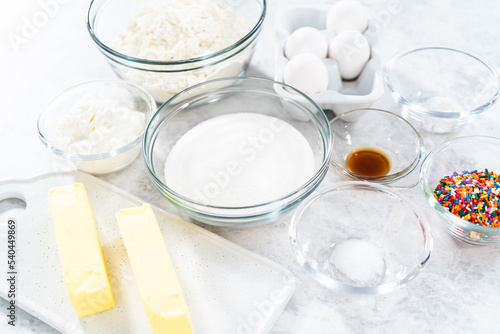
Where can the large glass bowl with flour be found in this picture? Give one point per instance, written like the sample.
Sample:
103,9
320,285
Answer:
233,152
169,45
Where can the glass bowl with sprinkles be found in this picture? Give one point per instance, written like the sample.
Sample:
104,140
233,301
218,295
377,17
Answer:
461,180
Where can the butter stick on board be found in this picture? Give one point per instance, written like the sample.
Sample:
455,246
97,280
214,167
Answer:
153,270
80,252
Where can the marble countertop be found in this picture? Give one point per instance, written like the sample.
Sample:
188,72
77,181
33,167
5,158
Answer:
459,290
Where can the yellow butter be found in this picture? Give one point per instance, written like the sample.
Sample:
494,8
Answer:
80,252
153,270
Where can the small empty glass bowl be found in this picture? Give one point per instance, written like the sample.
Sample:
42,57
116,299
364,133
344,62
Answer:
360,237
440,89
164,78
223,97
457,155
124,95
383,134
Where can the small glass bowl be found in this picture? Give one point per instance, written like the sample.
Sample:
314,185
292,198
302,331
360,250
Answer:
456,155
50,120
382,130
227,96
440,89
360,237
106,19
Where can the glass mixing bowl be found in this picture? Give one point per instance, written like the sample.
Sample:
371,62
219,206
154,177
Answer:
387,133
360,237
439,88
125,94
228,96
456,155
106,19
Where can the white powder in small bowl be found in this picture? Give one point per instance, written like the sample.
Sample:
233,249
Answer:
98,124
239,159
360,262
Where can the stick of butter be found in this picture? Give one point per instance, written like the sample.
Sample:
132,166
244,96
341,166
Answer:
80,252
153,270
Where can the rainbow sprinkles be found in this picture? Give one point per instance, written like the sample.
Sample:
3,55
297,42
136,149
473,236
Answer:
471,195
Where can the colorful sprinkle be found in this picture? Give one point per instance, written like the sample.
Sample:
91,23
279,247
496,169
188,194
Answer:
471,195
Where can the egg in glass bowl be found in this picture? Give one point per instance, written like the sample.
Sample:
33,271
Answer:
441,88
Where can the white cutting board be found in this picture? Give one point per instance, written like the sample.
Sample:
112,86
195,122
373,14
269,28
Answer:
228,289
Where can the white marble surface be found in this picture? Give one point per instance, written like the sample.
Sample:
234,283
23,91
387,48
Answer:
459,290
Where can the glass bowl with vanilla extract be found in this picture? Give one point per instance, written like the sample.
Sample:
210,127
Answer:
376,145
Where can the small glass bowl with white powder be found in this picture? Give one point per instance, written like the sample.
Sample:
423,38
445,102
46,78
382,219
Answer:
360,237
97,126
169,45
233,152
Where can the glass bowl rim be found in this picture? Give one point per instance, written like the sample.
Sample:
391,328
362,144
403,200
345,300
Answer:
253,32
436,113
428,193
326,137
339,286
126,85
386,178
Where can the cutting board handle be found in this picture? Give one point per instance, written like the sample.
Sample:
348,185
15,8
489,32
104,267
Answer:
13,189
12,202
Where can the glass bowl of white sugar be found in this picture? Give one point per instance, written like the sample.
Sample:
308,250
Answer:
233,152
167,46
97,126
440,88
360,237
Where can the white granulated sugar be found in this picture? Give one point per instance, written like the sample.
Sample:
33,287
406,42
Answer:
181,29
239,159
360,261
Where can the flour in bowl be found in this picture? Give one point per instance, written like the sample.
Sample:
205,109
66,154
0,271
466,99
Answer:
179,30
239,159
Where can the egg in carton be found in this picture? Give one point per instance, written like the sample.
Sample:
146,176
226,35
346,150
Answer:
340,95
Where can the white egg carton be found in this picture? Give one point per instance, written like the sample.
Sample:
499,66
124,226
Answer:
340,95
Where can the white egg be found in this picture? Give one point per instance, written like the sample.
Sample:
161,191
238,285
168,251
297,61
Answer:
347,15
306,40
351,50
307,73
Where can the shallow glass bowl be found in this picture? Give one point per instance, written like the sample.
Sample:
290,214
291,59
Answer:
360,237
439,88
